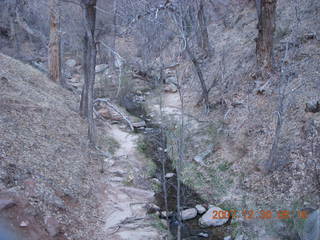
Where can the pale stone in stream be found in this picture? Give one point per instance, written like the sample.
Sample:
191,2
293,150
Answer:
201,209
207,219
188,213
169,175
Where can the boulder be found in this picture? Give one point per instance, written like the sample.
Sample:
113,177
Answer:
67,73
203,235
200,209
170,88
100,68
199,158
152,208
164,214
169,175
313,106
188,214
109,113
207,219
141,124
172,79
71,63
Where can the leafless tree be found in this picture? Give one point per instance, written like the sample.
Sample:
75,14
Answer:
89,60
14,27
266,10
54,54
184,23
203,37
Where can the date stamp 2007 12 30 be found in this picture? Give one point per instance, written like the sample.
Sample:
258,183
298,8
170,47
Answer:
261,214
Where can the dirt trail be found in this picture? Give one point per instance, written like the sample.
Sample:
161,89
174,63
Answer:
124,203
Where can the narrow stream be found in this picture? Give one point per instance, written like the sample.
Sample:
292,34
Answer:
155,142
189,198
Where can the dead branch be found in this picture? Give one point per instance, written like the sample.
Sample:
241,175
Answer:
107,101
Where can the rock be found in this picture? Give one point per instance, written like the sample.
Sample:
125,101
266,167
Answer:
203,234
52,226
170,88
109,162
172,79
141,124
24,224
75,78
310,35
227,238
156,181
164,214
236,104
164,222
6,203
71,63
131,106
67,74
101,68
239,237
202,156
188,214
51,198
109,114
201,209
152,208
169,175
313,106
207,219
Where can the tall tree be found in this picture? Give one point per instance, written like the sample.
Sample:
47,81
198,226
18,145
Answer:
203,37
89,60
54,56
14,36
266,10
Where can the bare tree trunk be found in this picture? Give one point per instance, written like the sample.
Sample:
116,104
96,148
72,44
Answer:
84,94
90,53
203,36
271,162
14,36
205,92
112,35
181,149
54,55
266,10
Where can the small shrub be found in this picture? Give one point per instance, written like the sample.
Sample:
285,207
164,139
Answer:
224,166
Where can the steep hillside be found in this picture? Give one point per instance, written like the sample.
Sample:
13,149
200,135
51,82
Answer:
43,151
